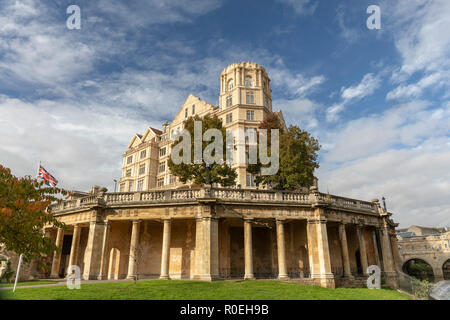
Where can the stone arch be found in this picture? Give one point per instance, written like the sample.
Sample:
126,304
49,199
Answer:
446,269
419,268
114,264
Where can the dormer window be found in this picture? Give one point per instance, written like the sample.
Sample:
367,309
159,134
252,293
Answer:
248,82
186,113
193,109
230,84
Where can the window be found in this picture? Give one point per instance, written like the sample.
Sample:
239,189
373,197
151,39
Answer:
229,118
193,109
162,167
230,84
250,180
250,97
122,187
172,179
250,135
160,182
140,185
130,186
143,154
129,159
229,101
186,113
248,82
162,152
250,115
128,174
141,169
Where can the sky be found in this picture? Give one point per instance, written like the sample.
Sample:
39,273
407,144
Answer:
378,100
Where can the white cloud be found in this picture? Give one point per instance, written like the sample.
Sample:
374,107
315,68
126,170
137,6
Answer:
415,90
402,154
367,86
301,7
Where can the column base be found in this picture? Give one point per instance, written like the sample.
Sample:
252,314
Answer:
324,280
283,277
102,277
165,277
249,277
391,279
348,277
206,277
54,276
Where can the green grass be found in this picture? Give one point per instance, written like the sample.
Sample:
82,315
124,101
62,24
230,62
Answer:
27,283
197,290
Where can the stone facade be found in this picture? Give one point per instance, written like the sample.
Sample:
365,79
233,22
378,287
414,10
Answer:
224,233
431,245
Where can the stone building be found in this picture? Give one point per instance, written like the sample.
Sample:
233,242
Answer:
245,99
156,227
430,245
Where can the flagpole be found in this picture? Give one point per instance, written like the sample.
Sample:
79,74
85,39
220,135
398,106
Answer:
37,176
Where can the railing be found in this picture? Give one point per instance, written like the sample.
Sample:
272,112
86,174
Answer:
225,194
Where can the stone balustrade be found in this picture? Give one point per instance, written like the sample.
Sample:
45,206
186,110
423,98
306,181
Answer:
221,194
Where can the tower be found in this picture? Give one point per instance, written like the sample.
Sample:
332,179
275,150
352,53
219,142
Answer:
245,84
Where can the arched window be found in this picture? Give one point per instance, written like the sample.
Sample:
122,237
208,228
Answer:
248,82
230,84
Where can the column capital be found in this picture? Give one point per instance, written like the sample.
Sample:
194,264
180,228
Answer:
316,220
134,221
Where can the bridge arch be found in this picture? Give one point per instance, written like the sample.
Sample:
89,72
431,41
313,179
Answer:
419,268
446,269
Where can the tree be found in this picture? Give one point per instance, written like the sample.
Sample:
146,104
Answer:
203,173
23,203
297,157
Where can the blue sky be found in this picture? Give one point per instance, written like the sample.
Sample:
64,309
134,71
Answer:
377,100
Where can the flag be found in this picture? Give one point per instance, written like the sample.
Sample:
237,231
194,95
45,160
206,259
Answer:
46,177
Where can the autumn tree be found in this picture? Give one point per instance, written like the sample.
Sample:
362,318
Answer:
202,172
297,157
23,203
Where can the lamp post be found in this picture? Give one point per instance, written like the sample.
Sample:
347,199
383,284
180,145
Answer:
115,185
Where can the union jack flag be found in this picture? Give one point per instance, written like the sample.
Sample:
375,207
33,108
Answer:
46,177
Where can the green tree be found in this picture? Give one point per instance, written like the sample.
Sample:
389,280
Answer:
23,203
298,157
202,173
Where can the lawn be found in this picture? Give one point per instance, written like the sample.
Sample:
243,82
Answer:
27,283
196,290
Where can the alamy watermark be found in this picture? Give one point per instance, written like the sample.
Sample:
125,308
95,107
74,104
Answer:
213,153
74,20
374,279
73,277
374,20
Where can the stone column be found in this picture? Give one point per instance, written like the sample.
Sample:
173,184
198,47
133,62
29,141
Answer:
134,254
210,249
103,274
93,250
282,272
344,251
362,249
248,250
319,253
375,247
389,271
73,259
57,255
165,257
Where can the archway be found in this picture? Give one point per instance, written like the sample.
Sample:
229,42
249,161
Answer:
446,269
419,269
114,264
